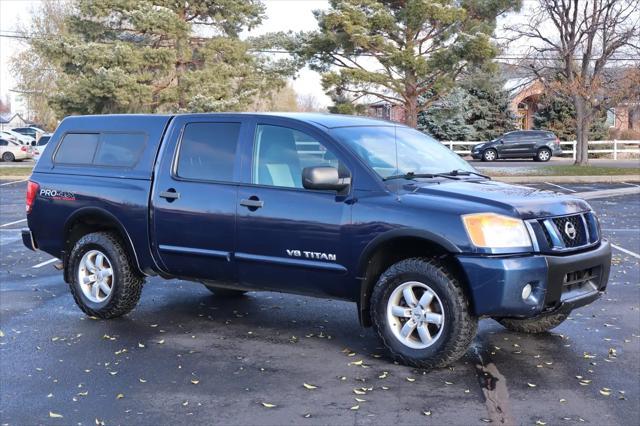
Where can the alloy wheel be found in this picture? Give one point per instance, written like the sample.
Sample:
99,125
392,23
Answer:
415,315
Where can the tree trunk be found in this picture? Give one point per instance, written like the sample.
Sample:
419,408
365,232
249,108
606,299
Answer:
411,111
582,132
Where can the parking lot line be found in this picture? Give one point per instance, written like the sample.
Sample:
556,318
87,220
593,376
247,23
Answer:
632,184
40,265
561,187
13,223
11,183
624,250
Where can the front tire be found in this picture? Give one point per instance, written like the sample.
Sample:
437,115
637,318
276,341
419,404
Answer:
104,282
535,325
421,314
489,155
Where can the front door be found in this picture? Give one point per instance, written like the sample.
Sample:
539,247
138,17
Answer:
290,238
194,198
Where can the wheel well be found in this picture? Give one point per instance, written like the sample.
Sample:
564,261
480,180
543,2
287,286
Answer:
395,250
95,221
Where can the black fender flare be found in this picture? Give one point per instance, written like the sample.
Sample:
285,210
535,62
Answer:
112,219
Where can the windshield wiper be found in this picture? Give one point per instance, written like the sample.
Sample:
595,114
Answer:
453,174
413,175
460,172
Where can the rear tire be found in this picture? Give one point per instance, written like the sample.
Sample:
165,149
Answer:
544,155
439,304
100,260
8,157
489,155
539,324
225,292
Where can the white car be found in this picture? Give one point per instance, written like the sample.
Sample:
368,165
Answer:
17,137
13,151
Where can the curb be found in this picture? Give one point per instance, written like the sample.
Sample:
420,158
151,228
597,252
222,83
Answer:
17,177
567,179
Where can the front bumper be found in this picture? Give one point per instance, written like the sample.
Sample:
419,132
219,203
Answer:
559,283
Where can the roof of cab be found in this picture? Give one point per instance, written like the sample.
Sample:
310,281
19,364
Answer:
331,121
326,120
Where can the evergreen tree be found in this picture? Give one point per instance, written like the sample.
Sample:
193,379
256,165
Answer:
559,115
400,51
159,55
477,110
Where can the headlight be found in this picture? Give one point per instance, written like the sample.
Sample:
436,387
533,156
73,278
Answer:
491,230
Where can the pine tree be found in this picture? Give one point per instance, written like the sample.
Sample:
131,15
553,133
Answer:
477,110
559,115
160,56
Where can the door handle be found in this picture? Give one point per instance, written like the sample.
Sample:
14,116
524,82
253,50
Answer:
252,203
170,194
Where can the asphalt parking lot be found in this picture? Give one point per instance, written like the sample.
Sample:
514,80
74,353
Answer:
184,355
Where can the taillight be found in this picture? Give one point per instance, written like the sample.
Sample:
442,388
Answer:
557,141
23,148
32,191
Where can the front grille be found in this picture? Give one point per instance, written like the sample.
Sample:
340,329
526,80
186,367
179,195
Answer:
565,233
571,230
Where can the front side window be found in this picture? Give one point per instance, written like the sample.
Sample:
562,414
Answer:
280,155
208,151
391,150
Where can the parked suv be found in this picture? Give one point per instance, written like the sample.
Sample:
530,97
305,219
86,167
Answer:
331,206
537,144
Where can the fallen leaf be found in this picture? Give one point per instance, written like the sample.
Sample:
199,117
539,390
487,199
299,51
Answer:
360,400
161,341
120,396
142,380
55,415
195,381
359,392
355,407
267,405
359,362
427,413
605,391
410,379
383,375
308,386
540,422
140,345
531,385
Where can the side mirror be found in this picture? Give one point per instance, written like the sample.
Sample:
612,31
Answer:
324,178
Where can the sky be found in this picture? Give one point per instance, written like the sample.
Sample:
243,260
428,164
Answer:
282,15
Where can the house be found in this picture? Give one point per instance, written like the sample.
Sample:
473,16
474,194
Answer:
9,121
526,93
386,111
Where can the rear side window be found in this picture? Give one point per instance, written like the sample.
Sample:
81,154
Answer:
207,151
101,149
77,148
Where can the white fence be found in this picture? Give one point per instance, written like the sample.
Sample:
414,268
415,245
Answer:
614,147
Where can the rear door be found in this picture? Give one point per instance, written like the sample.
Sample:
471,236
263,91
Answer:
290,238
194,198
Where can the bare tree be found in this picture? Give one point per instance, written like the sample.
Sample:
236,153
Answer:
580,49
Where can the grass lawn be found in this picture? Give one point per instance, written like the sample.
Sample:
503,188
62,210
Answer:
568,170
16,171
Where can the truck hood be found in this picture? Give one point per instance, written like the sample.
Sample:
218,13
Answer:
527,202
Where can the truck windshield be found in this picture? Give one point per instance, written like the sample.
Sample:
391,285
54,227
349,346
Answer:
400,151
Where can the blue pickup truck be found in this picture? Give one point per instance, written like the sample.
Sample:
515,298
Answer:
331,206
